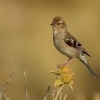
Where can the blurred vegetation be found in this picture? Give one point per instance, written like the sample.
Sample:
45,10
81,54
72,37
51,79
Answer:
26,42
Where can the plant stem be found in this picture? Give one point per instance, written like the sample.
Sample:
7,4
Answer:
58,92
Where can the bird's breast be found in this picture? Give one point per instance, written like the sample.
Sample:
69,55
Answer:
59,44
62,47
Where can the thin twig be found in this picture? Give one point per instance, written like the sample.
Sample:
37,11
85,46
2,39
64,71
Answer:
53,95
26,92
65,97
58,92
61,96
5,96
47,93
3,88
8,81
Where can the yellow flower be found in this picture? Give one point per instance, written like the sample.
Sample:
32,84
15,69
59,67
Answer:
66,76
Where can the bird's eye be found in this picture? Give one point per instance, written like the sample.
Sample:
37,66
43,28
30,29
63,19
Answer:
59,23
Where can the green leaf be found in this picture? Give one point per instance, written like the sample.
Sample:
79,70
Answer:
57,73
58,83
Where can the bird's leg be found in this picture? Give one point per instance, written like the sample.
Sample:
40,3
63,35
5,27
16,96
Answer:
65,64
69,60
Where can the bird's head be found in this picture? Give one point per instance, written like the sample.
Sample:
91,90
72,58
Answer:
58,23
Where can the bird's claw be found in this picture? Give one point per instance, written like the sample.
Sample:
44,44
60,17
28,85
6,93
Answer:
62,65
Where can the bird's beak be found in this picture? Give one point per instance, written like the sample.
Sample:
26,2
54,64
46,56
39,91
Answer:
52,24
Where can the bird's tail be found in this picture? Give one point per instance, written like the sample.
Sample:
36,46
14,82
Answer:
83,59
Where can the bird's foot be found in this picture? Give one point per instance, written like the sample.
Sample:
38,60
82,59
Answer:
65,64
59,66
62,65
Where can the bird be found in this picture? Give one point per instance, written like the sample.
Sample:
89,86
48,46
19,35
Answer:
68,45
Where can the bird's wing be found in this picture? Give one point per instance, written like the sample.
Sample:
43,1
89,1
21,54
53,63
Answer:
71,41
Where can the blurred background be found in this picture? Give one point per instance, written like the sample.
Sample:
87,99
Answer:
26,43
